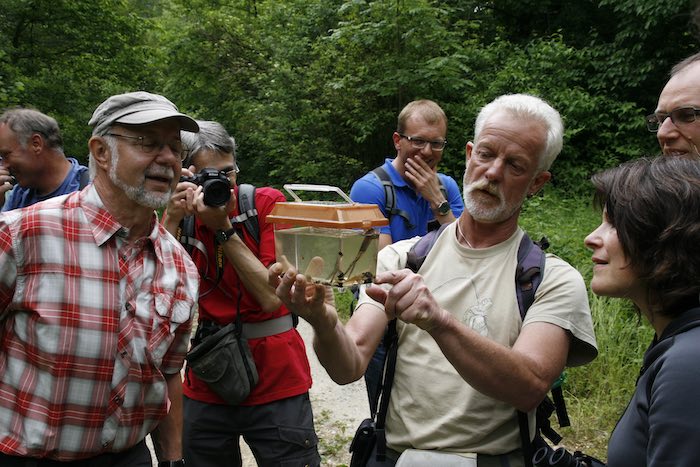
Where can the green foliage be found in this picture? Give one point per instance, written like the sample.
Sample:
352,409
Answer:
344,303
63,59
565,221
312,89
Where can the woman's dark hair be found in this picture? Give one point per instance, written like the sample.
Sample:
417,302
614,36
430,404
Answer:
654,204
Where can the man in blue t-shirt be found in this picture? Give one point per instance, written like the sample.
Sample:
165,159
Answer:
419,140
33,166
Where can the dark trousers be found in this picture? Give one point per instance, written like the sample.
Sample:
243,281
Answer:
280,434
136,456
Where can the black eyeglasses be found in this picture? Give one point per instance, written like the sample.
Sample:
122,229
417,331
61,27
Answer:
150,145
419,143
679,117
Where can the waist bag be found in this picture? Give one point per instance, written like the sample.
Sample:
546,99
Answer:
224,362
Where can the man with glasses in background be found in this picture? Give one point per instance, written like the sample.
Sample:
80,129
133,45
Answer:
419,141
232,247
96,304
675,120
33,166
411,183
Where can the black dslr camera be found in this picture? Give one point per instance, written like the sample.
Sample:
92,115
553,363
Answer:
215,185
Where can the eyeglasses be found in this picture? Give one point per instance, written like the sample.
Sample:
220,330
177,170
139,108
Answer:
419,143
151,146
232,171
680,116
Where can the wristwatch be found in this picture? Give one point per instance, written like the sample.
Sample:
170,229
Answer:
222,236
179,463
443,208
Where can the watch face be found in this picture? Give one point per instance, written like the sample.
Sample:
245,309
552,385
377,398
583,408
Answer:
444,208
221,236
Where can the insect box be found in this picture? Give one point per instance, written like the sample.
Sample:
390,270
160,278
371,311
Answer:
331,242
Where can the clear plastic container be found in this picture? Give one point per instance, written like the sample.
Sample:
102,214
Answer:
333,243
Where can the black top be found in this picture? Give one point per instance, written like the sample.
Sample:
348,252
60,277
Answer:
661,425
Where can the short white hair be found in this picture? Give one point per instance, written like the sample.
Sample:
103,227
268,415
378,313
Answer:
531,107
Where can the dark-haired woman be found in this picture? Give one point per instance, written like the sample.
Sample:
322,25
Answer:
647,249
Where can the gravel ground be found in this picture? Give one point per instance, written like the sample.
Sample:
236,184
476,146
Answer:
338,410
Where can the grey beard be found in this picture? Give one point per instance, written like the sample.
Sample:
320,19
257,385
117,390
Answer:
138,194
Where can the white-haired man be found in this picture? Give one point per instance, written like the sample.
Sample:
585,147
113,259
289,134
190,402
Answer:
458,319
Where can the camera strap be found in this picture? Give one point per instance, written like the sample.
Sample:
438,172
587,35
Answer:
382,397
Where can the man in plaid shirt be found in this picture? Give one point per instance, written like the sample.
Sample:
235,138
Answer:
96,303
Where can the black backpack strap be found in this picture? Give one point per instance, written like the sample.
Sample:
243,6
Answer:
525,438
185,234
419,251
443,190
84,179
392,339
433,224
248,215
529,272
560,407
390,197
528,276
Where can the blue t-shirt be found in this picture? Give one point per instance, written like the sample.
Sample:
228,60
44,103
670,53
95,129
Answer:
369,190
20,197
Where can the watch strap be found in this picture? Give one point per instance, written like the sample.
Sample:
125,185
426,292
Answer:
222,236
177,463
443,208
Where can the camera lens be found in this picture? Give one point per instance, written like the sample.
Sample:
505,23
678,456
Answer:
217,192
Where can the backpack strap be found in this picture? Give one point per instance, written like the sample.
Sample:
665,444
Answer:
529,272
392,340
528,277
419,251
248,214
84,179
185,234
390,197
443,190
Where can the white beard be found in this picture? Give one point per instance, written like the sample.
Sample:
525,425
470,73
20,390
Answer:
138,193
487,212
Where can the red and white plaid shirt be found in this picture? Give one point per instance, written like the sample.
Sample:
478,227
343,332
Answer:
89,325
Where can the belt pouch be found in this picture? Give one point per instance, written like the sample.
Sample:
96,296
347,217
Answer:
224,362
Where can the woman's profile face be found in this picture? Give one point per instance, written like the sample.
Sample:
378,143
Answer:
612,274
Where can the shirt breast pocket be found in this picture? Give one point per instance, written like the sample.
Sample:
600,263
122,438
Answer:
170,313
